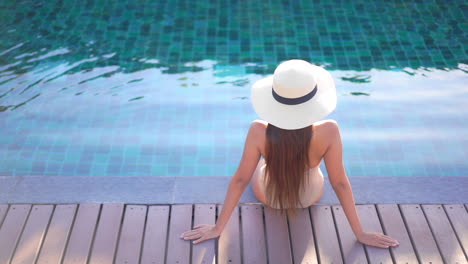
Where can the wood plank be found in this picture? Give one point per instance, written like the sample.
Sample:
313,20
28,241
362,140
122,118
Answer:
11,230
327,239
302,237
178,250
277,233
370,223
33,234
352,249
204,252
107,234
229,250
154,245
253,235
131,236
3,212
459,219
59,228
450,249
420,233
395,227
79,244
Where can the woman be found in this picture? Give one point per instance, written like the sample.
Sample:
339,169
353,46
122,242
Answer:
293,142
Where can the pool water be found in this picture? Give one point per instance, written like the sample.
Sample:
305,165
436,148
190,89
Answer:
162,88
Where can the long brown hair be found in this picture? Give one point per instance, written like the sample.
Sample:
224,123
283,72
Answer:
287,159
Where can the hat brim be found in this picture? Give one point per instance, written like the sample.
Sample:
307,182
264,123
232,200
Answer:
295,116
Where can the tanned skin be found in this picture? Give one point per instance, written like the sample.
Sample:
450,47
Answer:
325,144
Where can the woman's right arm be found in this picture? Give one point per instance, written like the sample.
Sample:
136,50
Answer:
336,173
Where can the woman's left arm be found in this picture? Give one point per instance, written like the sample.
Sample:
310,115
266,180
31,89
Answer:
239,181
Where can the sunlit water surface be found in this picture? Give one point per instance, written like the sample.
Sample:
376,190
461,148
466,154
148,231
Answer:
163,87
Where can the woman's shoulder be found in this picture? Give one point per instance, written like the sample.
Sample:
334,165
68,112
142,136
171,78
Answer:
257,133
325,132
258,125
327,125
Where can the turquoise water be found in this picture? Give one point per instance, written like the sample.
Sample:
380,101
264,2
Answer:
162,87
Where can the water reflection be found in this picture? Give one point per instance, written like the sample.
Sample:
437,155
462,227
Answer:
143,122
146,89
383,36
358,78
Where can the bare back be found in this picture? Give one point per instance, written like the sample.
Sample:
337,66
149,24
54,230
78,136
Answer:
318,144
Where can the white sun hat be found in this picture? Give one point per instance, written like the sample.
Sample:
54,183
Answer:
297,95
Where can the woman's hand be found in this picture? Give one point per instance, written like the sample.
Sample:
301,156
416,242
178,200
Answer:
377,240
202,232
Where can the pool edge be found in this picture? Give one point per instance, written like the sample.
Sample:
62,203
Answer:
212,189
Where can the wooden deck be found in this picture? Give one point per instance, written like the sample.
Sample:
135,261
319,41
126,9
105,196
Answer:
127,233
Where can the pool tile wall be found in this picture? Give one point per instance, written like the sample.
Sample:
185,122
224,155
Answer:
162,87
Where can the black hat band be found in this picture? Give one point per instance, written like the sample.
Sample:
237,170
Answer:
294,101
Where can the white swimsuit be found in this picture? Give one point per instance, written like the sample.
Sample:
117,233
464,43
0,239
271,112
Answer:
311,193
